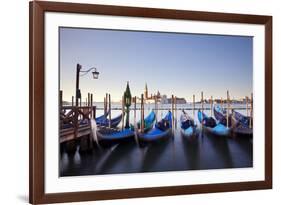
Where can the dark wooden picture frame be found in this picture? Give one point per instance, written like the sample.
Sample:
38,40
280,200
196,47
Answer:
37,94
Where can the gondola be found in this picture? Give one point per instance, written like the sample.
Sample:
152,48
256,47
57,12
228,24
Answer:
241,124
210,125
107,136
102,118
220,115
148,122
162,130
242,119
114,121
188,127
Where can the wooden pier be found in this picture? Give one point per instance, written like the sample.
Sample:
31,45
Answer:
75,124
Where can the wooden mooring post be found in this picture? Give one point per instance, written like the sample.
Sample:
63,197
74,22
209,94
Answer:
156,107
60,106
176,113
109,110
60,103
173,114
193,107
90,107
227,110
202,105
93,114
142,114
251,111
202,101
123,111
104,106
106,102
135,121
135,110
211,106
247,108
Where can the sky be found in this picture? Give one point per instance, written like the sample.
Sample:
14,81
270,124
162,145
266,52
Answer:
173,63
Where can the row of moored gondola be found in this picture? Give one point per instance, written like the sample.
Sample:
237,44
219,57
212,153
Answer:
155,131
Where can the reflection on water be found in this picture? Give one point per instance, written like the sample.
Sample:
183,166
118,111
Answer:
175,154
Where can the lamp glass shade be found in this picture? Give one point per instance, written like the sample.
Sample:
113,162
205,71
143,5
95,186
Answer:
95,74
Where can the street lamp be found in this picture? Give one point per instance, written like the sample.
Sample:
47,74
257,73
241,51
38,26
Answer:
78,71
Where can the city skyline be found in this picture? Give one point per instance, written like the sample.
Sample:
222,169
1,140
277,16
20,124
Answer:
191,63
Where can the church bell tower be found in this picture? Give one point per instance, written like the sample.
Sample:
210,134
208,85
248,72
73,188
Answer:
145,91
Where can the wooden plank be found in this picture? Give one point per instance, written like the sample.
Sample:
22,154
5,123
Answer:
72,136
69,134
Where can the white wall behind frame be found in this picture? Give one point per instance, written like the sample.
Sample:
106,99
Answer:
14,89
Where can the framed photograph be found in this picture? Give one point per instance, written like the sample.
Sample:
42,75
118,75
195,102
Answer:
139,102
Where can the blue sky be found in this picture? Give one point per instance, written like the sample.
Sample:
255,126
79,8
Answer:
179,64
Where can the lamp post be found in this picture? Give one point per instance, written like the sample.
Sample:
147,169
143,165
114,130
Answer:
78,71
127,99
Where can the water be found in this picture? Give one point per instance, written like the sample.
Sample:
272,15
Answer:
175,154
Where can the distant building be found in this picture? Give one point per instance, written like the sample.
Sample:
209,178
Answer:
178,101
160,98
164,99
146,92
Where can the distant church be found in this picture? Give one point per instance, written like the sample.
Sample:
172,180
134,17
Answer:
162,99
151,97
